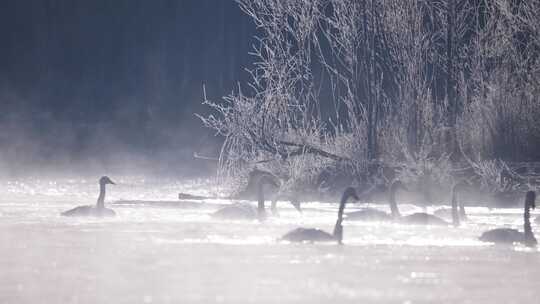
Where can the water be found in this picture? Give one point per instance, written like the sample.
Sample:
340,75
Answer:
172,255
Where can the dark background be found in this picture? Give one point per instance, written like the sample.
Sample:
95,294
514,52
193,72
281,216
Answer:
114,85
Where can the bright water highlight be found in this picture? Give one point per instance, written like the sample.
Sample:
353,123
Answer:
182,255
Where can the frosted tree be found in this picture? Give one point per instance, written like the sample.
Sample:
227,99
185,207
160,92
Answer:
500,89
278,120
425,88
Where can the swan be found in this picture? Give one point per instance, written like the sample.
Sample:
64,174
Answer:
317,235
294,201
509,236
377,215
185,204
372,214
456,214
250,192
99,209
419,218
247,212
252,189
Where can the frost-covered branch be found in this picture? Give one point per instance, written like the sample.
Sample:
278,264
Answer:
422,87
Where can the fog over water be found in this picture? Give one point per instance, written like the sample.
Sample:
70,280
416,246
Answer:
101,87
115,85
172,255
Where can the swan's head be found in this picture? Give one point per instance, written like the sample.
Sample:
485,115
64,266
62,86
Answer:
530,199
106,180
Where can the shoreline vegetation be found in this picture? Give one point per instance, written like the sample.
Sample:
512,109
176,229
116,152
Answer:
361,93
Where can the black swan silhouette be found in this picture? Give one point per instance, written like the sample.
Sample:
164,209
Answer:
419,218
509,236
456,214
317,235
375,215
248,212
99,209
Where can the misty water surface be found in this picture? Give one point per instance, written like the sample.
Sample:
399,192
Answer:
172,255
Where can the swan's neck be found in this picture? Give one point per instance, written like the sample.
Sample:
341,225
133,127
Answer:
455,215
393,205
260,200
462,212
101,199
529,236
273,207
338,229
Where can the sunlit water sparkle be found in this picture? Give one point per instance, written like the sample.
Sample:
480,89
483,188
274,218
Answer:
173,255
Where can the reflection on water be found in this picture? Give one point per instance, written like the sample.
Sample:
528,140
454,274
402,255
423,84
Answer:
172,255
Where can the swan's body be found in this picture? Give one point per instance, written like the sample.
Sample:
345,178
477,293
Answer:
99,209
537,220
250,192
446,212
248,212
369,214
185,204
502,235
317,235
510,236
422,218
237,212
372,214
308,235
89,211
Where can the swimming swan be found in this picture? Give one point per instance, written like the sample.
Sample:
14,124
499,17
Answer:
248,212
99,209
509,236
419,218
372,214
456,214
317,235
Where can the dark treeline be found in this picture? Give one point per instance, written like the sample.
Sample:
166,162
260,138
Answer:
106,79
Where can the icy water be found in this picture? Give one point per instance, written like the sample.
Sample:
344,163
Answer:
174,255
